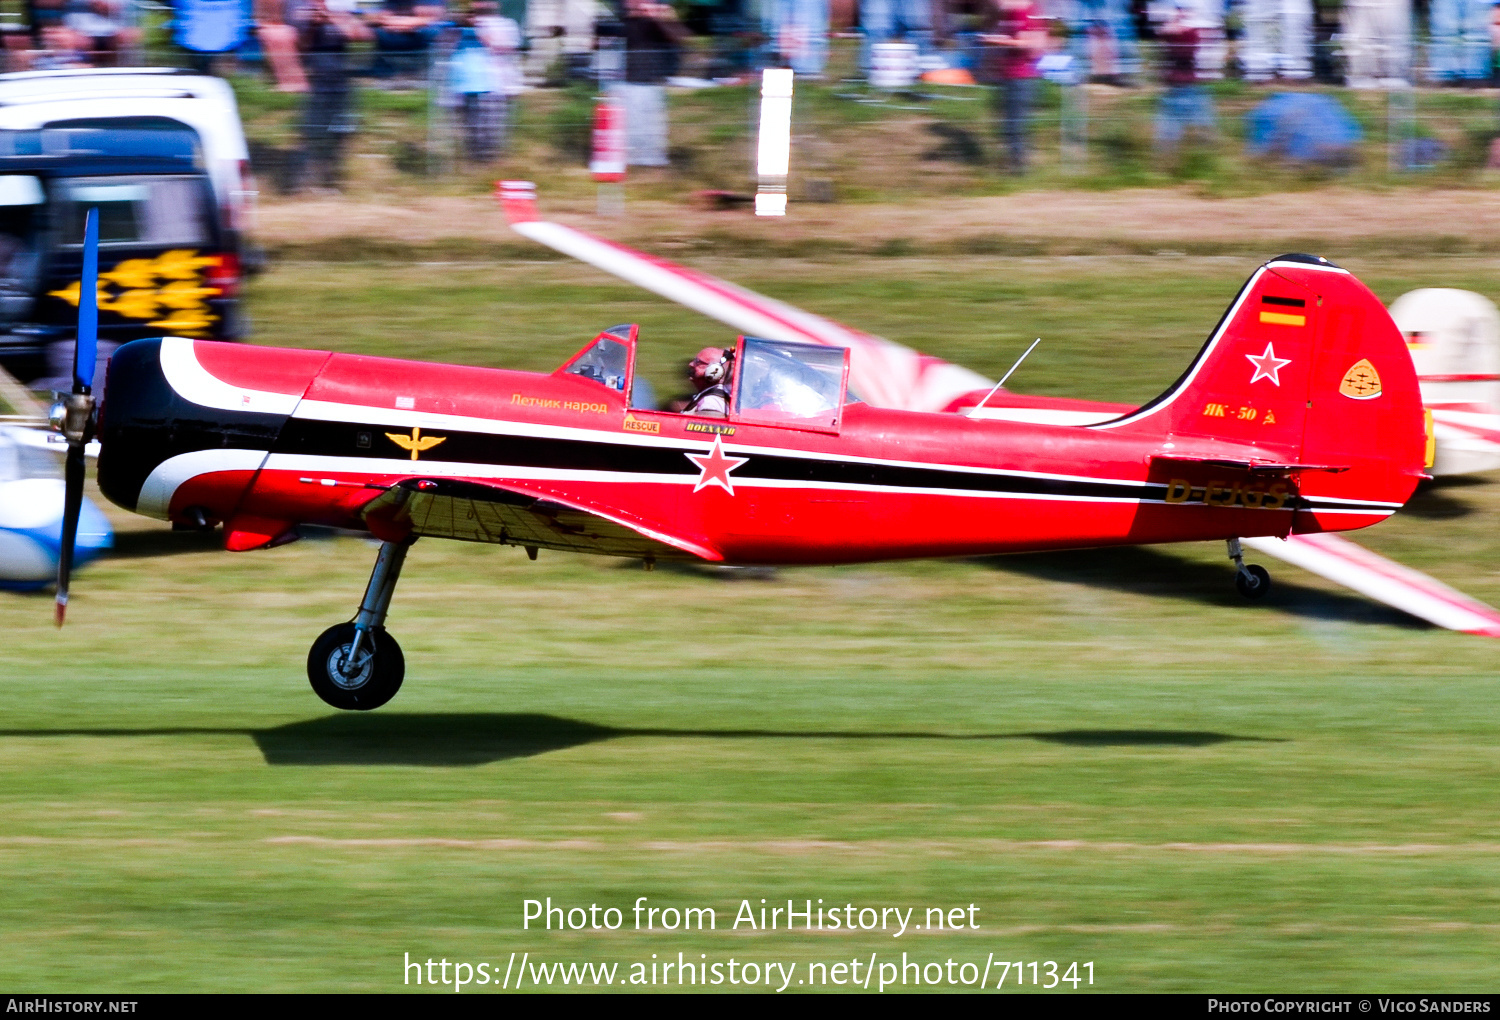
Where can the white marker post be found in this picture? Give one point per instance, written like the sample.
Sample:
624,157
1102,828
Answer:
774,154
607,164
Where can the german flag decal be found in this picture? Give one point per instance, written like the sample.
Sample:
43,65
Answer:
1361,382
1283,311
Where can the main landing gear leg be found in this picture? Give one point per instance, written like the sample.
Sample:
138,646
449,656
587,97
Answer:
357,665
1253,581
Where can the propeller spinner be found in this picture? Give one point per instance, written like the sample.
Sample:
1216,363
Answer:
74,415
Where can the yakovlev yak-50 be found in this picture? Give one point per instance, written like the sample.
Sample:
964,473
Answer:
1300,414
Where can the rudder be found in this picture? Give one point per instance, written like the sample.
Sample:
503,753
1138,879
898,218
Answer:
1306,369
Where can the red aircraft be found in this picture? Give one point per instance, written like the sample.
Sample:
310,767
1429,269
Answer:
1300,414
887,374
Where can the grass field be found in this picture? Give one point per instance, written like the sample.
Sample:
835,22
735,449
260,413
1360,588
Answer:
1108,753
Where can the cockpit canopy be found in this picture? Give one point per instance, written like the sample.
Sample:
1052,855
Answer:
779,382
607,360
774,382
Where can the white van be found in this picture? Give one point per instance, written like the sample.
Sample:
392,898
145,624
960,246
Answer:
30,100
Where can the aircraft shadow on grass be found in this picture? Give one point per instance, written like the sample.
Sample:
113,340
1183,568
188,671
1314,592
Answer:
1441,499
1144,570
479,738
1147,571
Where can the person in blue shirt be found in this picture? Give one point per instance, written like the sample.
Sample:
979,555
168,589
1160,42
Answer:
482,76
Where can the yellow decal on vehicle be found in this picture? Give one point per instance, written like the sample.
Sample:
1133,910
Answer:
168,291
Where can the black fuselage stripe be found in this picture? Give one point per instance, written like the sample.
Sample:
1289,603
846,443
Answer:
312,437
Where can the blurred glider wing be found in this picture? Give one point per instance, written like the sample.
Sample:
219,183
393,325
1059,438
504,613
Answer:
882,373
1410,591
526,515
1468,438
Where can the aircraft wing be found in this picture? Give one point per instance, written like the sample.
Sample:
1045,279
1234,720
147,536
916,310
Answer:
526,515
881,373
1411,591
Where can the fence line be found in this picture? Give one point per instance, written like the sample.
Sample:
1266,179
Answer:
1076,128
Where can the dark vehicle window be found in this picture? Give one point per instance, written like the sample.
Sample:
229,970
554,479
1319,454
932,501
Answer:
19,260
145,210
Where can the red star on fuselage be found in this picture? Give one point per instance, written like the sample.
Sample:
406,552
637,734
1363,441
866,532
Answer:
715,467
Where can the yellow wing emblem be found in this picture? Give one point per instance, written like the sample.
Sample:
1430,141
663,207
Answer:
416,442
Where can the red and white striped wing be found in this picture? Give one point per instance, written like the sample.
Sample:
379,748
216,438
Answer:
1411,591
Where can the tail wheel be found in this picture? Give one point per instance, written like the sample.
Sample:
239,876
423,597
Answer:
1253,582
369,682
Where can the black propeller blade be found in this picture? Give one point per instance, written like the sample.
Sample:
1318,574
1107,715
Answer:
74,417
72,504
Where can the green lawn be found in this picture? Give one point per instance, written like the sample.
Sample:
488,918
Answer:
1108,753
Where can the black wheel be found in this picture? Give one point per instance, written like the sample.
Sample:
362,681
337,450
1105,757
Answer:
377,680
1254,582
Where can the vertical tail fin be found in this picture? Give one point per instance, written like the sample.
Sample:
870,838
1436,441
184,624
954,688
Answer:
1305,369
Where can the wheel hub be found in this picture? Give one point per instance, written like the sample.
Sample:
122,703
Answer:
350,676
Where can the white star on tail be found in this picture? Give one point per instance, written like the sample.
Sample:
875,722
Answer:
1267,365
715,467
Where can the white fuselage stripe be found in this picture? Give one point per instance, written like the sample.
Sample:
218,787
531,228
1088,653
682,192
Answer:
312,464
359,414
194,383
167,477
186,375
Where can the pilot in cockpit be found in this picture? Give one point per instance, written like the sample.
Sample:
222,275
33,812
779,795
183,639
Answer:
710,372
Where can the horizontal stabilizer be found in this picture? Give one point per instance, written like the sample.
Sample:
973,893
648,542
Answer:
1255,466
1368,573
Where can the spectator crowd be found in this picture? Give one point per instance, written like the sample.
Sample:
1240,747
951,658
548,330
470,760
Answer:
474,58
1362,41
